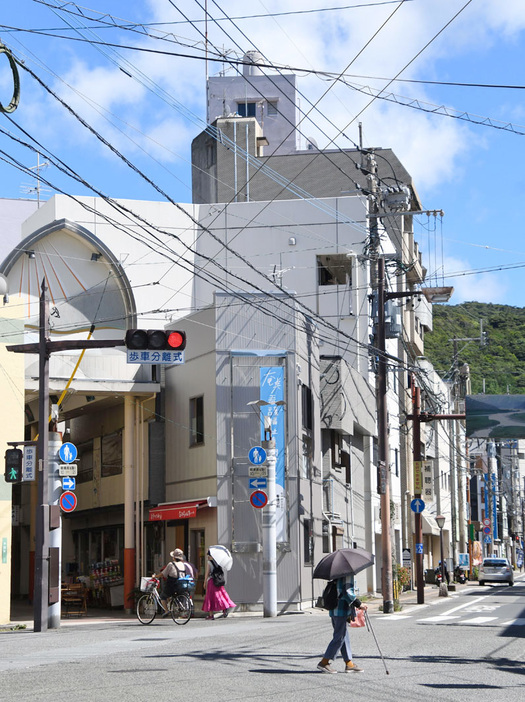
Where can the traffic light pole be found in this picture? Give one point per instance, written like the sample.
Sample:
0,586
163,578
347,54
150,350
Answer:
41,590
44,348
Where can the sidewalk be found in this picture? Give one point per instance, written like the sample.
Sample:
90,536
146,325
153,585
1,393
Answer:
22,611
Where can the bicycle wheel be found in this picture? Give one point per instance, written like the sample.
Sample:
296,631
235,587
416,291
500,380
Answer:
146,609
180,608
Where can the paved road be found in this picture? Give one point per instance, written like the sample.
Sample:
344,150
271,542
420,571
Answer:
465,646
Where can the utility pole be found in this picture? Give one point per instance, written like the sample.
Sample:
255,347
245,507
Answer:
383,468
417,417
42,594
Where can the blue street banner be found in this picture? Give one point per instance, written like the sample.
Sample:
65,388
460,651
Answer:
272,391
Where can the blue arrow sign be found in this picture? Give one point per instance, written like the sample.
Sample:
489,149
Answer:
258,483
417,505
68,452
257,455
68,483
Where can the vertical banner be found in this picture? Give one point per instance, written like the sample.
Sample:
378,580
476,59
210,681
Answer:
272,391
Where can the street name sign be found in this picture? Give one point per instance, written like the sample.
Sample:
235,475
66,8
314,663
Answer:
258,471
67,469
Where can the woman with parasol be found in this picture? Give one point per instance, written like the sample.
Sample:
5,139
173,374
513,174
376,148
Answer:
216,598
341,566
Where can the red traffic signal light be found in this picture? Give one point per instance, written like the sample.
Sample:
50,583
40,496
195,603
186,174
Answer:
155,339
13,465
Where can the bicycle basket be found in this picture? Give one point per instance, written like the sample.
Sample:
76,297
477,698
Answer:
147,584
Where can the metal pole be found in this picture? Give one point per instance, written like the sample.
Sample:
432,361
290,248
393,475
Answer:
416,410
383,477
41,594
269,528
442,552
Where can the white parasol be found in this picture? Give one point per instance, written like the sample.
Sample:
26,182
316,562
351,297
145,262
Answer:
221,556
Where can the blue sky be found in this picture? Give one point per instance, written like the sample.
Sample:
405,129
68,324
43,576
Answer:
151,105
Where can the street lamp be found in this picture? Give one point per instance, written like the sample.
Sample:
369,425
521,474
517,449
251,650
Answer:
269,517
440,520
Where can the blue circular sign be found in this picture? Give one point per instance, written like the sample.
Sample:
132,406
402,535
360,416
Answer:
68,452
259,499
257,455
68,501
417,505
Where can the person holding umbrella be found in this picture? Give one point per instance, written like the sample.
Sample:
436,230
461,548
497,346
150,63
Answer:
341,566
216,598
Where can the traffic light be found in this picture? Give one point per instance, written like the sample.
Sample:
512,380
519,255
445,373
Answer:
13,465
155,339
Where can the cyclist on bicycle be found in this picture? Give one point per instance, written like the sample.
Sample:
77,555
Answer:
170,574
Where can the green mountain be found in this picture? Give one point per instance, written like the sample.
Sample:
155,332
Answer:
500,361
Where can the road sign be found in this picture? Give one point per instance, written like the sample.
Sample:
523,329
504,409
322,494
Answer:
68,501
487,530
417,505
67,469
259,499
257,455
258,471
258,483
486,522
487,539
419,548
168,358
29,466
68,452
69,483
407,558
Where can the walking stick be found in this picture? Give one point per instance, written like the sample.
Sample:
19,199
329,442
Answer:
369,625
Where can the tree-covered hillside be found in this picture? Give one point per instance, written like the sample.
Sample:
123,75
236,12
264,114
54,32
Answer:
501,362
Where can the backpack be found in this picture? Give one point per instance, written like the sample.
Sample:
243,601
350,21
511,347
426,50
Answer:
330,596
217,575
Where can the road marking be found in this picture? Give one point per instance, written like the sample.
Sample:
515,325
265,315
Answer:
467,604
514,622
396,617
440,618
478,620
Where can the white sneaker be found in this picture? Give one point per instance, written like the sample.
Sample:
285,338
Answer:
325,668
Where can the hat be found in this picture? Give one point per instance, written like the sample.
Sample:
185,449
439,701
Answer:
177,554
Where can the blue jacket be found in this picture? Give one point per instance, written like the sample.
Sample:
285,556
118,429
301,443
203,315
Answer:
345,589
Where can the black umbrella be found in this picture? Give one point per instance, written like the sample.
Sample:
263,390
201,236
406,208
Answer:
345,561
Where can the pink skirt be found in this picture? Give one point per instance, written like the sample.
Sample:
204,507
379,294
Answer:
216,598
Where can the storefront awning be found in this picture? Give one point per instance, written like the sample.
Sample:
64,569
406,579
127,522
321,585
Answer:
429,525
180,510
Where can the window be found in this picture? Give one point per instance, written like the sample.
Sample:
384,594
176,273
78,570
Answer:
246,109
307,402
271,109
111,447
210,154
196,421
85,463
307,541
334,270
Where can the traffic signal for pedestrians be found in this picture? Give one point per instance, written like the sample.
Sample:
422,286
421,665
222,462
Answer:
13,465
155,339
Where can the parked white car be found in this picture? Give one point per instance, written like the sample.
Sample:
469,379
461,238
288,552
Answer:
495,570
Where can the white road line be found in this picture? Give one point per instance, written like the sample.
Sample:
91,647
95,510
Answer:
439,618
467,604
478,620
514,622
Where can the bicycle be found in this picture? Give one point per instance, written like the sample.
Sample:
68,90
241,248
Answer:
179,605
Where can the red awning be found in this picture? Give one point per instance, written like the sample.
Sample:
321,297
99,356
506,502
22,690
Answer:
180,510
